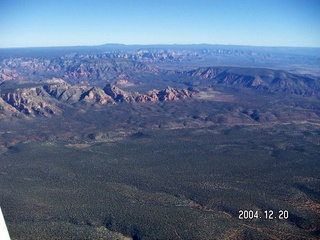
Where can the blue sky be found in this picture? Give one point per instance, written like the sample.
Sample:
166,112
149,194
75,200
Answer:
27,23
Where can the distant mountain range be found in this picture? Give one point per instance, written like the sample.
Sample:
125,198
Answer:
71,69
93,75
107,61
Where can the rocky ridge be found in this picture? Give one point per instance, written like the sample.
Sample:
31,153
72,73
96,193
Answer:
259,79
88,70
81,70
107,62
45,98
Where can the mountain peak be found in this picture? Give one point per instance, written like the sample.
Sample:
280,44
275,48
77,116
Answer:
119,95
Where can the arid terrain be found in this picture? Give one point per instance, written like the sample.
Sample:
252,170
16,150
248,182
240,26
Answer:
160,142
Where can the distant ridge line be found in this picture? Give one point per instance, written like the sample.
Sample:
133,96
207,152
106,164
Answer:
163,45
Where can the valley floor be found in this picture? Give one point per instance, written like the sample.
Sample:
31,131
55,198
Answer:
166,184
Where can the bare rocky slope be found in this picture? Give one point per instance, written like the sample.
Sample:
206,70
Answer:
46,98
259,79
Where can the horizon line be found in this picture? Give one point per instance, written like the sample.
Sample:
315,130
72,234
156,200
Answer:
159,44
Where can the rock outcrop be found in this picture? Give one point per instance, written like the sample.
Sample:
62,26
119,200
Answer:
259,79
96,96
119,95
170,94
31,101
45,98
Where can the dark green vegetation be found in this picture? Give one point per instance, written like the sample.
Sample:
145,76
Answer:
166,184
101,154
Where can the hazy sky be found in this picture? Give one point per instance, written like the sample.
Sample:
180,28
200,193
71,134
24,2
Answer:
25,23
